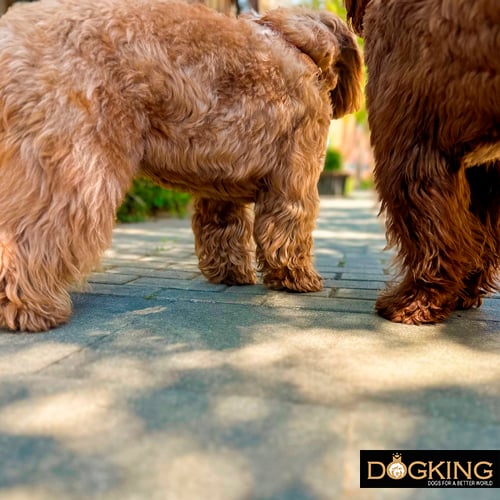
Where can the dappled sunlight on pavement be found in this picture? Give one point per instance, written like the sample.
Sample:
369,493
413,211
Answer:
165,386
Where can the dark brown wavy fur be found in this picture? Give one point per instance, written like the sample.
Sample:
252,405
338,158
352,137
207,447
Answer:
433,97
355,13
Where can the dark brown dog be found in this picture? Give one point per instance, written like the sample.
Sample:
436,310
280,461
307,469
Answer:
433,98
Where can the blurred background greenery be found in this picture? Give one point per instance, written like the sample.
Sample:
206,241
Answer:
146,199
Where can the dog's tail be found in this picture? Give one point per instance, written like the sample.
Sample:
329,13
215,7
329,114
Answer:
355,13
328,41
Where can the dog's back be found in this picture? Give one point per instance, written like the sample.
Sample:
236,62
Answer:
441,59
166,68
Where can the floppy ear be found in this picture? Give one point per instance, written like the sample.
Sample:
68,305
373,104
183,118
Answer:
346,97
327,40
355,13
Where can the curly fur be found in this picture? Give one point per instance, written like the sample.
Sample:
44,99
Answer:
235,111
433,98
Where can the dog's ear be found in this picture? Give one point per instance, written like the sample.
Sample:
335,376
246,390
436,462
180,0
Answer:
327,40
347,96
355,13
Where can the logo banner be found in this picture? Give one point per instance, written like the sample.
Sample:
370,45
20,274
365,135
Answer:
429,469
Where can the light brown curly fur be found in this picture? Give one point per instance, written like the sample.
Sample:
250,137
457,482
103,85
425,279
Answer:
235,111
433,98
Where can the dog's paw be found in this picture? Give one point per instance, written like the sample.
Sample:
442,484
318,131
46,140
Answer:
230,275
24,320
416,307
465,303
296,280
233,278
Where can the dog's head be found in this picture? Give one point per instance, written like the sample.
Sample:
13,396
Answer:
327,40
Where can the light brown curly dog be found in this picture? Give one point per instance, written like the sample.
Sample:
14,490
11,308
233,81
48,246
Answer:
235,111
433,98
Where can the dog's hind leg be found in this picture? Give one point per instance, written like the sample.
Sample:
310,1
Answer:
284,221
429,221
223,241
484,182
56,218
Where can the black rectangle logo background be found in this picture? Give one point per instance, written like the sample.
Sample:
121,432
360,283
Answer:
434,456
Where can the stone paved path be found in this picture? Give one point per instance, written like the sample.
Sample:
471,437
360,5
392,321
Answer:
163,386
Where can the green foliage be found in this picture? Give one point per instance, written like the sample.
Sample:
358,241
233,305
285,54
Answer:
336,6
366,183
350,184
146,199
361,116
333,160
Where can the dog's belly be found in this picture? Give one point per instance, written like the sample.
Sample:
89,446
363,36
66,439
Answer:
217,189
483,154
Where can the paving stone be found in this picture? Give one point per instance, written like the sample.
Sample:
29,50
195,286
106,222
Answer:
363,276
247,290
355,284
112,278
361,273
296,301
171,283
156,273
355,293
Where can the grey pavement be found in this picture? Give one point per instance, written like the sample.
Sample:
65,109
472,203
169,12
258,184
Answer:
163,386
